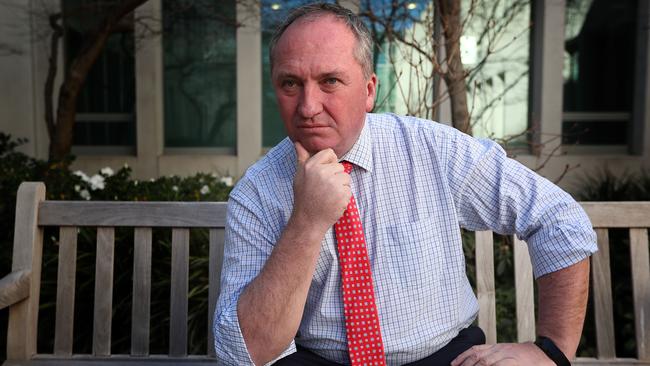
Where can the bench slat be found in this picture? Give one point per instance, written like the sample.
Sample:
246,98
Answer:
103,291
641,284
65,291
136,214
179,283
524,291
618,214
602,288
216,262
487,318
85,360
140,312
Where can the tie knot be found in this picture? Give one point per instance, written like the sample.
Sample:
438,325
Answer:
347,166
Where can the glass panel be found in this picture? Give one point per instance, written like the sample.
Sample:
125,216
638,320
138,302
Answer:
110,84
109,133
599,54
495,50
403,72
497,85
200,73
273,13
594,133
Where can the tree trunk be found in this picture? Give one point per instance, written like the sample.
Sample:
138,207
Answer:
455,75
75,77
57,33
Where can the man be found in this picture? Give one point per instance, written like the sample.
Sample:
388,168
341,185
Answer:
414,182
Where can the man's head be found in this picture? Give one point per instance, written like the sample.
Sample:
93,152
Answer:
321,67
363,49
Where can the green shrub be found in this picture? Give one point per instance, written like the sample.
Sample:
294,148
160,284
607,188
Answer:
606,186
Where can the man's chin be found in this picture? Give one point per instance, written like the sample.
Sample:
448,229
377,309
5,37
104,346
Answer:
315,146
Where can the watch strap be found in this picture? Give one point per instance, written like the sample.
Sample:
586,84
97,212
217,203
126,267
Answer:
552,351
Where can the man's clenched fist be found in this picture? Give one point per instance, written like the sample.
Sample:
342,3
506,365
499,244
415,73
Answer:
321,188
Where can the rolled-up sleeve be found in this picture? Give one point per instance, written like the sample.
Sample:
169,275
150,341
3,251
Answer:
248,244
492,191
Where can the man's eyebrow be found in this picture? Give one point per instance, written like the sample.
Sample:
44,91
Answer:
332,74
324,75
283,75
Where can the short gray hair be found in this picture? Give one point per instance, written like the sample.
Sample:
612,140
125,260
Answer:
363,52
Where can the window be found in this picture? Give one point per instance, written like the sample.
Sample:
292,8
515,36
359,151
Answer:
600,40
105,121
200,81
403,72
494,52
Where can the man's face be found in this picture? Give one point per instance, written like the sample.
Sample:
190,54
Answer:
321,91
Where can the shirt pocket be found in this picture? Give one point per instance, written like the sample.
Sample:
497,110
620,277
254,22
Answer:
413,254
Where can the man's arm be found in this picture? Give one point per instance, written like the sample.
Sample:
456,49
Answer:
494,192
561,314
562,305
271,307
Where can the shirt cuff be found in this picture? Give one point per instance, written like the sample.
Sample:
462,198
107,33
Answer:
229,343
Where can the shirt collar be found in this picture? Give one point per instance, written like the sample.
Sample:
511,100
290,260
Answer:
361,152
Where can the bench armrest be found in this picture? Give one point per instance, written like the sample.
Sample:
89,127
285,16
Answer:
14,287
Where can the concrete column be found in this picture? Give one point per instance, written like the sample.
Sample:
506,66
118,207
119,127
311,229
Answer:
249,86
16,97
149,90
639,131
547,82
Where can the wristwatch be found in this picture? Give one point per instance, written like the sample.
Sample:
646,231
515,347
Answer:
552,351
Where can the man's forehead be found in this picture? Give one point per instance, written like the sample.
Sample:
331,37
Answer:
323,27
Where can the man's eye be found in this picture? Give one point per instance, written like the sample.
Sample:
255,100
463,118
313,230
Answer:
331,81
288,84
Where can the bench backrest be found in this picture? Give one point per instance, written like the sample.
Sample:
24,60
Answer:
33,213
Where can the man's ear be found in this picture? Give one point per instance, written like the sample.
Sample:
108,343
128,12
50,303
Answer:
371,88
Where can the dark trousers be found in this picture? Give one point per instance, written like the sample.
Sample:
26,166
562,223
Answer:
465,339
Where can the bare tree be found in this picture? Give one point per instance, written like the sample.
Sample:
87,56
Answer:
60,124
424,47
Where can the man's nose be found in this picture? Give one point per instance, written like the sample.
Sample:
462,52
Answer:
310,102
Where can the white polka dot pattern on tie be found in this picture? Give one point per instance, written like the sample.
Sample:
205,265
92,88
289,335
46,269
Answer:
361,319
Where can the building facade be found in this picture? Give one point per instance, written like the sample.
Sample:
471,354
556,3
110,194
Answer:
192,93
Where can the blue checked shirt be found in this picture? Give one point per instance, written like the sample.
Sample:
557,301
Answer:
416,182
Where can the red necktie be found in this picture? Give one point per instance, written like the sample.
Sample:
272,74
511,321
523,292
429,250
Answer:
361,319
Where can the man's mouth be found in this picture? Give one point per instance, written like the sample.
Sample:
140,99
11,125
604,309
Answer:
312,127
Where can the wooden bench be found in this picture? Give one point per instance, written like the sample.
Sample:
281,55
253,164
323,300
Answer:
20,289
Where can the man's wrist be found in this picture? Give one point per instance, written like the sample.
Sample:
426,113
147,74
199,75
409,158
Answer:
552,351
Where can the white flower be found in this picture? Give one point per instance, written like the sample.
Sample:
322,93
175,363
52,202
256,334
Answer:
226,180
205,189
152,180
214,175
175,188
135,182
96,182
107,171
85,194
82,175
126,166
77,188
